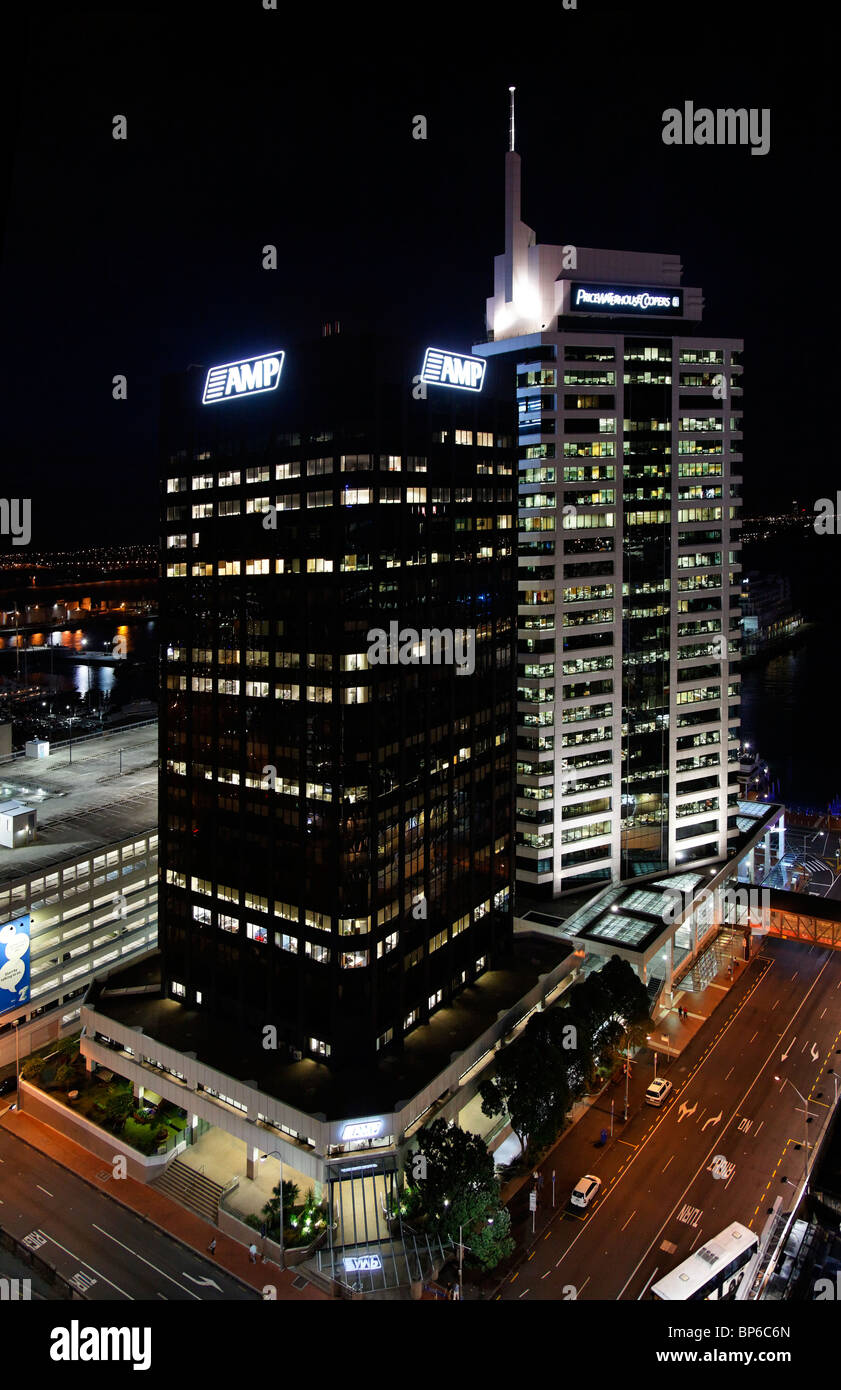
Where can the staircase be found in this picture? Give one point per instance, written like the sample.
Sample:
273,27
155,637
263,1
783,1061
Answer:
192,1189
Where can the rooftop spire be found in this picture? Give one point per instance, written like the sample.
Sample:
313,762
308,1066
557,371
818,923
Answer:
512,90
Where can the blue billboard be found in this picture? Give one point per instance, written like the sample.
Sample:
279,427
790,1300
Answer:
14,963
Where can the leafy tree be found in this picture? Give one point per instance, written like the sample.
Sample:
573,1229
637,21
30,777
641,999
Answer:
117,1109
271,1211
460,1191
460,1183
555,1058
531,1083
628,998
490,1240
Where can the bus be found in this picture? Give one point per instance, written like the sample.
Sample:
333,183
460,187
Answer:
714,1271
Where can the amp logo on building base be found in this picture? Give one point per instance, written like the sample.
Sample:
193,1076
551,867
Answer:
249,377
442,368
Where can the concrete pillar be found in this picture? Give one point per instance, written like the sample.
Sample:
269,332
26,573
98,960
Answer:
252,1161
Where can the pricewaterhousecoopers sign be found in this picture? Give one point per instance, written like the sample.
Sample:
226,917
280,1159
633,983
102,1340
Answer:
625,299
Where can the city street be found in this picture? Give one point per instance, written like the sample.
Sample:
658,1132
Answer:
94,1242
814,851
722,1149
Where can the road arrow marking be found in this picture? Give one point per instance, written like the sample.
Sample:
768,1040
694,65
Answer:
685,1110
204,1282
788,1049
713,1120
815,1054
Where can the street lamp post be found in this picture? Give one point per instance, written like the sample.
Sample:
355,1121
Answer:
627,1072
275,1153
806,1119
17,1063
461,1249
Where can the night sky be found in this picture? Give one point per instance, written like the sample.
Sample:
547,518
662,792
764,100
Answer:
246,127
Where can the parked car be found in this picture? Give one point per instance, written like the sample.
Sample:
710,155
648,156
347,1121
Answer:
7,1085
585,1190
658,1091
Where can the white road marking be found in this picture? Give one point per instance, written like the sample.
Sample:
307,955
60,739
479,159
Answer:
147,1262
211,1283
630,1219
647,1282
43,1189
87,1263
685,1110
788,1049
736,1111
713,1120
671,1156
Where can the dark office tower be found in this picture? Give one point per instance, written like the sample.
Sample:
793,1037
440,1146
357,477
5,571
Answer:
337,806
629,561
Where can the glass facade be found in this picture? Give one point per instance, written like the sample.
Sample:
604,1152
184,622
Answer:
338,657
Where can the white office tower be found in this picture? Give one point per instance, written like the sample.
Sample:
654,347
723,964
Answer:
630,427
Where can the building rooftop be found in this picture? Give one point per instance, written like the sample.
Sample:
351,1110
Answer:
86,803
631,915
316,1088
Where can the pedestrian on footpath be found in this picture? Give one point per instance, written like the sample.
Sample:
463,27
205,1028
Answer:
211,1249
252,1253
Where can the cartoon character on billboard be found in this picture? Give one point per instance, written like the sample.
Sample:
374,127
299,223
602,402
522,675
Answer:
14,964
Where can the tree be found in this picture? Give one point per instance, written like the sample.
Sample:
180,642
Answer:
628,999
531,1083
271,1211
490,1240
460,1193
554,1060
117,1108
460,1184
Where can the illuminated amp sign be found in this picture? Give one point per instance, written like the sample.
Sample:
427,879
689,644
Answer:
355,1263
14,963
625,299
249,377
363,1129
442,368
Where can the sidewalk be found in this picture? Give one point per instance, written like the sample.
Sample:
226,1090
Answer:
672,1034
154,1206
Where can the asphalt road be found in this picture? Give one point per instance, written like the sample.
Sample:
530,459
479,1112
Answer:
661,1197
109,1253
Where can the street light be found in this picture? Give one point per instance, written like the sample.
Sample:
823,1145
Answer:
461,1249
806,1118
17,1063
275,1153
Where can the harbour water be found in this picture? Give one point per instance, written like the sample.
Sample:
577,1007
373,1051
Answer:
790,709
